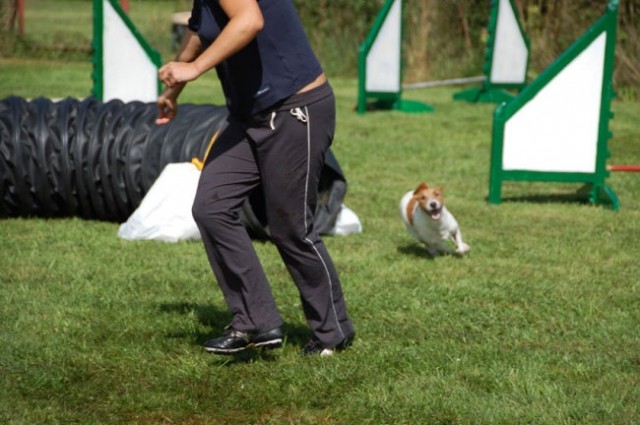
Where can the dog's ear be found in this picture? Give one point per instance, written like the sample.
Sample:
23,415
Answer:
423,186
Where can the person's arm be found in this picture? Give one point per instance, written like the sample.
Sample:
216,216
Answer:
245,21
167,101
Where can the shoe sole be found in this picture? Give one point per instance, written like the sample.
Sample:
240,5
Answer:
273,343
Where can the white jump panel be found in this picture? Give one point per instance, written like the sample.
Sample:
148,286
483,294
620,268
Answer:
128,72
557,130
383,60
510,52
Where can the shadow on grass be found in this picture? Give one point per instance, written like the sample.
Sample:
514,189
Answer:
558,198
417,250
217,319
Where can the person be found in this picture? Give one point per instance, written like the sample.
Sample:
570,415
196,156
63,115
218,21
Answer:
281,122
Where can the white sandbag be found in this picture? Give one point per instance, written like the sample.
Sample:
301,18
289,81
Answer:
347,223
165,211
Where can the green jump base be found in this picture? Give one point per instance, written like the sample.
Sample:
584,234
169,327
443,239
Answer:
412,106
402,105
595,194
600,195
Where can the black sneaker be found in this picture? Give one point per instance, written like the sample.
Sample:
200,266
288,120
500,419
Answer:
315,348
233,341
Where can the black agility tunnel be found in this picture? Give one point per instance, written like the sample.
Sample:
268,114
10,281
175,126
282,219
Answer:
97,160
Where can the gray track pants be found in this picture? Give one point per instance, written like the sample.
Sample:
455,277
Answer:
283,150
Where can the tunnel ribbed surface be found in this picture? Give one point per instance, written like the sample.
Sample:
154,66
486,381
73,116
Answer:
97,160
91,159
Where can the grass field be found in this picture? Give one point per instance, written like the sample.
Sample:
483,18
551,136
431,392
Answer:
539,324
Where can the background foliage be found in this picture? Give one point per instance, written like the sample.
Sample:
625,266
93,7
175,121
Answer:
446,39
443,39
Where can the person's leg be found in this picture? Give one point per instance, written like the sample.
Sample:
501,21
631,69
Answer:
228,177
290,154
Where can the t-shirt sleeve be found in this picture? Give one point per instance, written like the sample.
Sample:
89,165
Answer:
196,16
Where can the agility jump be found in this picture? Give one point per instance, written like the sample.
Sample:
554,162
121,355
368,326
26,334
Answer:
380,65
506,57
557,128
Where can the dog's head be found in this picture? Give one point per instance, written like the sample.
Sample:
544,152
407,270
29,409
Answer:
430,200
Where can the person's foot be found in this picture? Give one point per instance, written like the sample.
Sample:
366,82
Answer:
315,348
233,341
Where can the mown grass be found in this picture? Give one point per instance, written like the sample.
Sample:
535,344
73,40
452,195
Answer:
539,324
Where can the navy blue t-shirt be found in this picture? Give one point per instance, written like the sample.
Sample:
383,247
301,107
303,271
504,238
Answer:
275,65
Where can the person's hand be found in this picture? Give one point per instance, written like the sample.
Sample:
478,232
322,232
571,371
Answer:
174,75
167,107
178,73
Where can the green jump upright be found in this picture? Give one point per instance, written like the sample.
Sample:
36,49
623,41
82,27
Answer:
380,65
506,57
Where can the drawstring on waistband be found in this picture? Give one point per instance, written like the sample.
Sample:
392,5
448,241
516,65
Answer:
297,112
273,117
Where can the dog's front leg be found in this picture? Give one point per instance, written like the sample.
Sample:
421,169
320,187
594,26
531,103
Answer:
461,247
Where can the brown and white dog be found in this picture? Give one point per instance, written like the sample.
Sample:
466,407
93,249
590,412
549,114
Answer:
429,221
